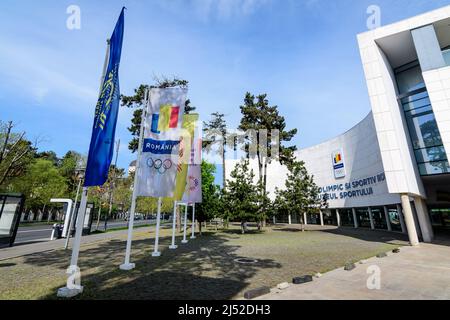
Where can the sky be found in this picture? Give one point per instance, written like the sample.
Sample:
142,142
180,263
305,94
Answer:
303,54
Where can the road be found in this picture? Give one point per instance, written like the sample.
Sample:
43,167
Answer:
30,234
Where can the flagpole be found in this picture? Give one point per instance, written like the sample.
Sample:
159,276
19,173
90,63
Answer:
185,224
156,253
72,216
73,287
193,221
127,265
174,246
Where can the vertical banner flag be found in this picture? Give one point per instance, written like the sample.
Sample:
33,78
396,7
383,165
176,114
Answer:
162,129
193,189
186,141
101,149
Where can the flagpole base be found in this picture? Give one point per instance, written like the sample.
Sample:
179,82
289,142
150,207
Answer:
193,237
156,254
173,247
127,266
69,293
184,241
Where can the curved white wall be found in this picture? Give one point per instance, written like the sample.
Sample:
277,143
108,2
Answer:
363,165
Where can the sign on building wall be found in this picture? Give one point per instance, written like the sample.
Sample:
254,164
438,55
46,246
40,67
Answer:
338,164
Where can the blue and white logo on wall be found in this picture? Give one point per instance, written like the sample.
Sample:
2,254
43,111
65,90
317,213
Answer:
338,164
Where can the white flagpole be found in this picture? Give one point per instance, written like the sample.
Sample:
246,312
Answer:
72,216
156,253
185,224
174,225
74,287
193,221
127,265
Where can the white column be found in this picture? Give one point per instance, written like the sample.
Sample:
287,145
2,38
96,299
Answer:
321,217
409,220
424,219
290,219
156,253
305,218
185,225
338,218
355,221
372,224
173,246
274,220
388,220
400,217
193,221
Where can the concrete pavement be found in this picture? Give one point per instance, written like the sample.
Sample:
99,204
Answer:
23,250
416,273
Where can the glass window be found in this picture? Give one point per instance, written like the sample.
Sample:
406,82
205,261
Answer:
424,132
362,215
415,104
394,219
346,216
379,218
430,154
431,168
410,79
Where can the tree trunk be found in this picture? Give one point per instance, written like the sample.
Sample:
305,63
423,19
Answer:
224,174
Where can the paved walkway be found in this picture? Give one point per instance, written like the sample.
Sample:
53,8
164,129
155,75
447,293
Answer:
420,273
23,250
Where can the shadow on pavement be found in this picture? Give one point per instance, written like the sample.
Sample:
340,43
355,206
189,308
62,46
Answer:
200,270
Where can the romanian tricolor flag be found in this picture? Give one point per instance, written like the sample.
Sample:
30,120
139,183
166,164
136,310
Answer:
168,118
338,158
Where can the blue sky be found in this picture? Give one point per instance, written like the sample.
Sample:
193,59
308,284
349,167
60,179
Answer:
303,54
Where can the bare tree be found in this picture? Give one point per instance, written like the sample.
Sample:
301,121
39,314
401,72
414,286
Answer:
15,151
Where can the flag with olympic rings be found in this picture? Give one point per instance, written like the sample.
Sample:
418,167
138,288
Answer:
160,150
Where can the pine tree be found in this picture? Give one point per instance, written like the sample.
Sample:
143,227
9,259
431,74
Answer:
258,115
243,200
300,195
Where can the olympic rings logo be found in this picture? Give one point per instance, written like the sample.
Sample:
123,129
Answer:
160,165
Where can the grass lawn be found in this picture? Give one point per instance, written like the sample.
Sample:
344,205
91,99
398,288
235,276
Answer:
205,268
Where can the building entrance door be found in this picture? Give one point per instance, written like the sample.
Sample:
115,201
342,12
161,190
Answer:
440,219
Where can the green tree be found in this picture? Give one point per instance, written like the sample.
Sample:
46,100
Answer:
138,99
300,195
15,154
211,201
215,133
243,198
41,182
258,115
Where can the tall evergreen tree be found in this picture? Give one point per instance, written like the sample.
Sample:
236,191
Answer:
300,195
243,198
258,115
215,134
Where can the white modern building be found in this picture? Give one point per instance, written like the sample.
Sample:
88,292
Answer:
391,171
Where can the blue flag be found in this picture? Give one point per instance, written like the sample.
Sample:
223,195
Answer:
103,132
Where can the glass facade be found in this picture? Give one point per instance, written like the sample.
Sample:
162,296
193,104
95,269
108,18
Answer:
362,215
379,218
424,132
346,216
